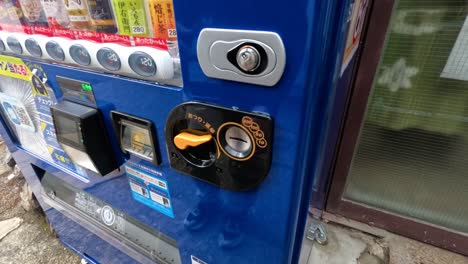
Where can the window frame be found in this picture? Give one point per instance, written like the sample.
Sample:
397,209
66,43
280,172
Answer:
373,44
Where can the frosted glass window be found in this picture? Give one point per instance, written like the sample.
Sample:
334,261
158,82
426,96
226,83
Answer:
412,156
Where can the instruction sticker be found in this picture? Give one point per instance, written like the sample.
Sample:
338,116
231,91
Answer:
17,112
149,189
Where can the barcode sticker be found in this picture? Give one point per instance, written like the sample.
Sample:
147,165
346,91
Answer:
23,115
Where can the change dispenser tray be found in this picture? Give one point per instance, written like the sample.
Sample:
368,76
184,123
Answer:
136,136
82,135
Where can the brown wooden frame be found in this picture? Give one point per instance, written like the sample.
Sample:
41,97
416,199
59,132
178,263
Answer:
373,44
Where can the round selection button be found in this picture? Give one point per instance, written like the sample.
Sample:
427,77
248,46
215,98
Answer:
109,59
142,64
14,45
55,51
33,47
80,55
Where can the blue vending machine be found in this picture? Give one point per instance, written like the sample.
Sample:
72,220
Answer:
153,131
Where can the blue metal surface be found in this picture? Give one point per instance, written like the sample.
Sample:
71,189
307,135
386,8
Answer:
271,217
336,114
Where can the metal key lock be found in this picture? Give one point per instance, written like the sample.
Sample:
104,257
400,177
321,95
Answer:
248,56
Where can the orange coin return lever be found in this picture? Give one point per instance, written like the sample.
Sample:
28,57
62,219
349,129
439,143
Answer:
185,139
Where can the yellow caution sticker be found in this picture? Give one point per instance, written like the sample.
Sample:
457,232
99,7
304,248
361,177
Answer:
15,68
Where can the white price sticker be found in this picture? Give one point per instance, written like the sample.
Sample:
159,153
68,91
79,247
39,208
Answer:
138,30
172,33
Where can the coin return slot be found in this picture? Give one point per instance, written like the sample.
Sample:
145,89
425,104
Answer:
194,143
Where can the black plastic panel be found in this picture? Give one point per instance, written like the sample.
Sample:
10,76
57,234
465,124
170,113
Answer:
214,161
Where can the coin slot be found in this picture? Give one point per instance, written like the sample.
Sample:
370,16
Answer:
236,141
240,139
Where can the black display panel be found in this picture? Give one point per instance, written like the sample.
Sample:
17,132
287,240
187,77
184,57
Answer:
81,132
76,90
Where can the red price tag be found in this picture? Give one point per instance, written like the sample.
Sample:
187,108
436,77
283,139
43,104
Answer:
151,42
64,33
89,35
43,31
16,28
118,39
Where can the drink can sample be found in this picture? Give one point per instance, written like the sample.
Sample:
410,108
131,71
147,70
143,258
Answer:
78,14
163,20
33,13
101,15
131,17
56,13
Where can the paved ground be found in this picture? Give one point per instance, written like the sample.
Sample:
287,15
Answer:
32,242
350,246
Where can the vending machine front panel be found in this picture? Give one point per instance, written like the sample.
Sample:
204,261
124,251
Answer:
214,167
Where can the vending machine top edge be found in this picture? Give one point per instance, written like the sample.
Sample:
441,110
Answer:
154,131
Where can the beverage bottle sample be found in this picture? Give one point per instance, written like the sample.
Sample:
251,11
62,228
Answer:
101,15
78,14
163,20
56,13
10,12
131,17
33,13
